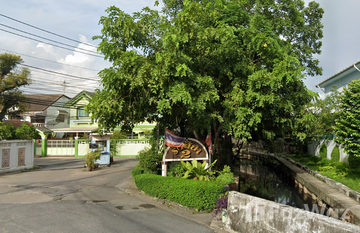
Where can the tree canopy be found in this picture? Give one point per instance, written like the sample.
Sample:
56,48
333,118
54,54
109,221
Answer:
12,78
24,132
347,128
237,66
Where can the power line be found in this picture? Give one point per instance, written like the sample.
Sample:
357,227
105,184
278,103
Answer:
47,39
50,43
25,89
96,79
42,59
46,30
40,81
54,72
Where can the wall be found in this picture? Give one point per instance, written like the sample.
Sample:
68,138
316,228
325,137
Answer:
16,155
314,149
250,214
131,147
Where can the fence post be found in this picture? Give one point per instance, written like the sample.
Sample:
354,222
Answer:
43,147
34,142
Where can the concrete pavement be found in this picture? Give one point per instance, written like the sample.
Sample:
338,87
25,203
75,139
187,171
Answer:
62,183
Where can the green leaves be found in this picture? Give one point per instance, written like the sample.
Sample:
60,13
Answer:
11,79
235,65
347,125
198,170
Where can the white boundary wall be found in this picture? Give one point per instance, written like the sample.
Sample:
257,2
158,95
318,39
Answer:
314,149
16,155
131,147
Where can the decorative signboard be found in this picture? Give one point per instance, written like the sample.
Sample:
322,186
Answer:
192,149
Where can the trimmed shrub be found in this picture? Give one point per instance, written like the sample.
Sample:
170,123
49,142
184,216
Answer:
137,171
200,195
335,154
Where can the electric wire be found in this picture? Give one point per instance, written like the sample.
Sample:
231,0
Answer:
94,55
48,39
54,72
46,30
42,59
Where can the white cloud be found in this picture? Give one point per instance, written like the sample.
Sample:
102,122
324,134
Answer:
47,48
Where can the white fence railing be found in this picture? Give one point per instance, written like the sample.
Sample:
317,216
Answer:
124,147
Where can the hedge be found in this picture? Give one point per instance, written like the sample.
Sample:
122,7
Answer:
200,195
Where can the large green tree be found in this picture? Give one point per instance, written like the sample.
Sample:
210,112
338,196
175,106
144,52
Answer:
237,66
12,77
347,128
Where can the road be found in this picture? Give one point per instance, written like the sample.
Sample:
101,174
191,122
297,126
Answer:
62,197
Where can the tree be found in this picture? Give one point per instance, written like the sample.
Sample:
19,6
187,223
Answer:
12,78
234,65
27,132
317,119
347,128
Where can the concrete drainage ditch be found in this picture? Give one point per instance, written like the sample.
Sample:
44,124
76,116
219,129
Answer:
252,214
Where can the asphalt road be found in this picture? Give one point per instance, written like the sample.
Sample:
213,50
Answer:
62,197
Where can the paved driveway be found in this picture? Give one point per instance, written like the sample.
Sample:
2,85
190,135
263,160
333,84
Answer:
62,197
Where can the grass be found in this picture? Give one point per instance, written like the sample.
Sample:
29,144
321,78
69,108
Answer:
337,171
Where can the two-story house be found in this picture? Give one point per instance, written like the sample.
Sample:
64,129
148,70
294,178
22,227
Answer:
46,110
79,121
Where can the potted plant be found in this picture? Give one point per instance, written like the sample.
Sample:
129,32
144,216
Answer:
221,207
90,160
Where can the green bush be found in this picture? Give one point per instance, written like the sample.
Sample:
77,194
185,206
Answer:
137,171
197,170
7,131
323,151
27,132
354,161
225,177
150,162
175,169
197,194
335,154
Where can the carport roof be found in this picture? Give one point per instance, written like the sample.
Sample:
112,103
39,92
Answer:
75,130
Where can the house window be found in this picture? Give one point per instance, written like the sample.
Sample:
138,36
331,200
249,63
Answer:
82,113
38,119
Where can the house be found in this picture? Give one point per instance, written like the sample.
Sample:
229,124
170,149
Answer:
79,121
46,111
340,79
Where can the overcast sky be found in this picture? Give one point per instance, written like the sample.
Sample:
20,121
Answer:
79,20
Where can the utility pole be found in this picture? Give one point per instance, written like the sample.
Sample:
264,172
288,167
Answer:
64,85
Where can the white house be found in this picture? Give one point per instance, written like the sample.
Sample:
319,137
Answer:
47,110
341,79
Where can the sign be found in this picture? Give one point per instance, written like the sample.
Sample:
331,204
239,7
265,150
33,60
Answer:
192,149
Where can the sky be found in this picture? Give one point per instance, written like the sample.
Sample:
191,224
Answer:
78,20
